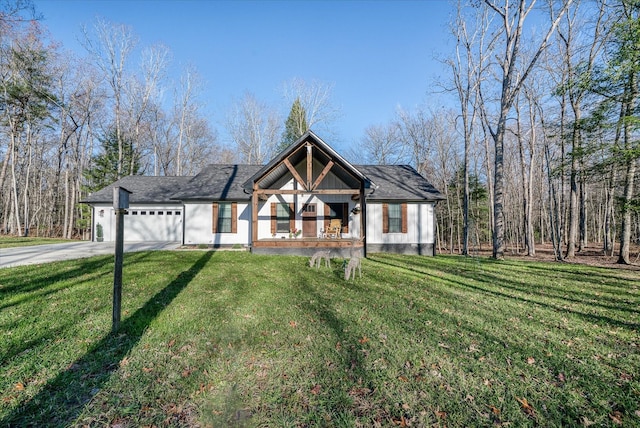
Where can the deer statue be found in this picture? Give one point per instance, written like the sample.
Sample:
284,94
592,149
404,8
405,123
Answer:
350,270
355,261
318,256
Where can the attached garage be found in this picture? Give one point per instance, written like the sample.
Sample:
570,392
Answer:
150,224
152,215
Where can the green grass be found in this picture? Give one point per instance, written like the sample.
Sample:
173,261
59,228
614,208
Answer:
235,339
7,241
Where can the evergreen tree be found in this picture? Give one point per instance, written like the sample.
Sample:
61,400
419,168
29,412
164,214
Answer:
105,165
294,127
618,83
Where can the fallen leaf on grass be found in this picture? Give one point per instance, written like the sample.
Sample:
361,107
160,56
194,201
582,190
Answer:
316,389
364,340
293,324
359,392
441,414
171,343
637,412
494,410
402,422
531,360
147,369
19,386
526,407
616,417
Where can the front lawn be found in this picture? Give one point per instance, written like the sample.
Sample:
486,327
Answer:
8,241
234,339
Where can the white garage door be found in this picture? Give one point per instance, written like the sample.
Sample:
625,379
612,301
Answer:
146,224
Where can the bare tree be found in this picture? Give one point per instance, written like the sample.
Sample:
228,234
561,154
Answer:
110,45
413,133
513,72
141,94
467,66
186,108
579,64
315,99
254,128
381,145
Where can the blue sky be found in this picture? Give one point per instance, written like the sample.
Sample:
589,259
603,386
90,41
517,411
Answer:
377,54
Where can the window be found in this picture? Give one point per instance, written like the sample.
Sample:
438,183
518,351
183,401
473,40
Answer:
177,212
152,212
282,218
169,212
143,213
224,215
160,212
394,218
134,213
224,218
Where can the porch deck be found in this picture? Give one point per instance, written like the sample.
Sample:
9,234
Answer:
307,246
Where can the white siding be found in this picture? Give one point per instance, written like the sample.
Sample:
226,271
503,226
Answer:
420,225
198,230
264,213
158,223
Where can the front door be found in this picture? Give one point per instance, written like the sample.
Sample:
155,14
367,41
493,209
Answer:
309,226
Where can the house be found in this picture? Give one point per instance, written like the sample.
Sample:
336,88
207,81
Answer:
284,207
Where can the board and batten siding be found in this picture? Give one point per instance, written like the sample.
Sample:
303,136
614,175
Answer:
420,225
199,225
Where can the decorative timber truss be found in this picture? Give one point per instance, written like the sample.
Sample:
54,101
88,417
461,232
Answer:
310,162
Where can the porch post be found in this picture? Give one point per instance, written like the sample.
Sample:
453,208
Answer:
254,215
363,220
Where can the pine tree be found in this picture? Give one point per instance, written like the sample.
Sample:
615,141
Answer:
105,165
295,126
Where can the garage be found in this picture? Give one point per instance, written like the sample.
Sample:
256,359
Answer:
152,214
150,224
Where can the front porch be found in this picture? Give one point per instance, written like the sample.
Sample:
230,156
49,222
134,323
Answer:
307,246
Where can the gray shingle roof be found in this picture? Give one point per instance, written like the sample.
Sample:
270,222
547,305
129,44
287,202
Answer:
218,182
144,189
398,182
225,182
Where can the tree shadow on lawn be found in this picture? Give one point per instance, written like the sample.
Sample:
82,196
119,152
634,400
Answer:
62,399
515,287
23,282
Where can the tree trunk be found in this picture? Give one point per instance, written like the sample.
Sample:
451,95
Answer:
630,172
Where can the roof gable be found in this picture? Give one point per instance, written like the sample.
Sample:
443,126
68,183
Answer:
298,152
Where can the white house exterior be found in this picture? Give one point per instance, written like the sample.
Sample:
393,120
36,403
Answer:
282,207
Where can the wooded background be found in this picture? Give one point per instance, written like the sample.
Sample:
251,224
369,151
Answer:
538,146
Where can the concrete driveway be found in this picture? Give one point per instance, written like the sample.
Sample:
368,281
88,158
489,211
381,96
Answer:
37,254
